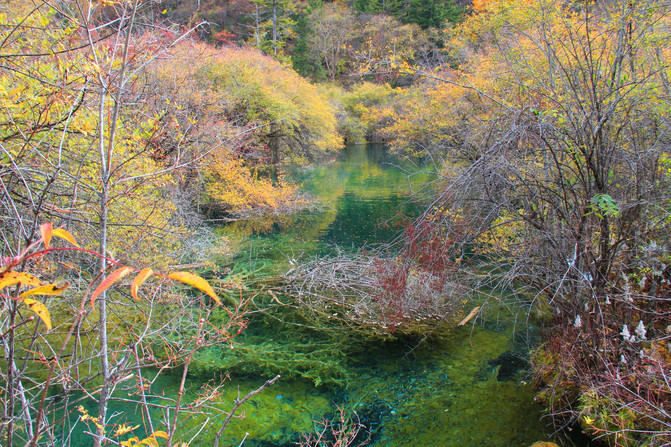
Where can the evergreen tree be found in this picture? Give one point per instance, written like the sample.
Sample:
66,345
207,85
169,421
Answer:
425,13
392,7
452,11
368,6
272,25
303,58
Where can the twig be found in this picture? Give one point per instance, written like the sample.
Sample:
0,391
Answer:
473,313
238,403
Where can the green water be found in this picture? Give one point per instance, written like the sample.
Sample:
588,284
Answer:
466,387
462,387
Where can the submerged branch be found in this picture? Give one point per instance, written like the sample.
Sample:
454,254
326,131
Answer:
238,403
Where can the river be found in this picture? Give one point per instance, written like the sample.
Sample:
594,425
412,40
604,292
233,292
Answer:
467,387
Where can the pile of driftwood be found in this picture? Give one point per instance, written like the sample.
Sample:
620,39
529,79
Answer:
366,291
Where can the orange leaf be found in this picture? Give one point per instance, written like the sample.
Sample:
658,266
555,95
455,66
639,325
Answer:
9,278
64,234
47,230
49,289
139,280
108,282
195,281
41,311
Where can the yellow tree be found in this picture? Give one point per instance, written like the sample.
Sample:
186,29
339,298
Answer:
76,154
560,178
292,116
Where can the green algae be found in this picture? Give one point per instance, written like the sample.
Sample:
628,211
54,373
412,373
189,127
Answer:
456,399
445,389
316,361
276,416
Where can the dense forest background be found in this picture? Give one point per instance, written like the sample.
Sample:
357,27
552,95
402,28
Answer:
127,126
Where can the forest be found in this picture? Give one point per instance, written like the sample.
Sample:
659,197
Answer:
146,144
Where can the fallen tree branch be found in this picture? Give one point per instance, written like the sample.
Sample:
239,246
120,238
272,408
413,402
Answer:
468,318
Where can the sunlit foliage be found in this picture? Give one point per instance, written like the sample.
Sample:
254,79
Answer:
235,112
292,116
231,186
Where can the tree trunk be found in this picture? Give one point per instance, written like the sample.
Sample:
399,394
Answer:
274,144
106,155
275,27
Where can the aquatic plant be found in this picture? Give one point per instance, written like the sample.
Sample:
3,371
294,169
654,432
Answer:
320,362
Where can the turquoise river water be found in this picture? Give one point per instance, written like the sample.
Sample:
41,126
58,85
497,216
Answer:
466,387
463,387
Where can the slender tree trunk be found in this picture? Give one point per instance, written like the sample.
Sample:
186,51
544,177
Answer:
9,398
257,28
106,154
275,27
102,247
274,144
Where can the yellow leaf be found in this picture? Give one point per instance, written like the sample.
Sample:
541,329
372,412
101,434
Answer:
46,230
589,420
139,280
64,234
160,434
10,278
131,442
123,429
195,281
41,311
108,282
49,289
150,442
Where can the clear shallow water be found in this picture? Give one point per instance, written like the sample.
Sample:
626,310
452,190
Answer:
463,389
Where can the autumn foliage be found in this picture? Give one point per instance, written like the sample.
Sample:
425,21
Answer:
552,127
235,112
115,144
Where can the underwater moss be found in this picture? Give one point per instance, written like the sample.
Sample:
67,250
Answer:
422,384
449,401
320,363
